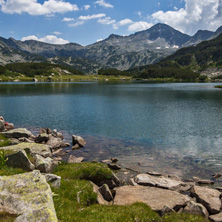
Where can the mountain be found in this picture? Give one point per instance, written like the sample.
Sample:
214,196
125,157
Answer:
120,52
189,62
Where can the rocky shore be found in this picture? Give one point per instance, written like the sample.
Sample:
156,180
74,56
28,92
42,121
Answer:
29,195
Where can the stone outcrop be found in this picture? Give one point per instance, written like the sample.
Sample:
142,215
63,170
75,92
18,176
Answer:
161,182
54,180
100,198
196,209
73,159
45,165
18,133
156,198
106,193
43,137
27,195
78,140
210,198
33,148
20,160
54,142
216,217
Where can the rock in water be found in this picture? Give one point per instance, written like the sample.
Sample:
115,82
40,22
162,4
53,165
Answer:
29,196
156,198
210,198
78,140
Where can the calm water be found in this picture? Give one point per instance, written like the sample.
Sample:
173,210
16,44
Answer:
176,128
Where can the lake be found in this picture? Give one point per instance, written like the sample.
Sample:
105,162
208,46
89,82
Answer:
171,127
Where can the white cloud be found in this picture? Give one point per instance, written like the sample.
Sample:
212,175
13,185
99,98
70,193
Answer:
86,7
139,26
67,19
198,14
78,23
106,21
89,17
125,22
57,33
48,39
104,4
139,13
32,7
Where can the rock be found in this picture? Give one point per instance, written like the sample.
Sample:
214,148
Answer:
100,198
156,198
210,198
216,217
13,141
18,133
33,148
73,159
219,188
78,140
43,137
174,177
154,173
34,80
20,160
196,209
9,126
76,146
23,139
64,145
114,160
106,161
162,182
57,158
59,152
2,125
106,193
53,179
132,182
205,182
45,165
29,196
114,166
116,179
54,142
166,210
217,175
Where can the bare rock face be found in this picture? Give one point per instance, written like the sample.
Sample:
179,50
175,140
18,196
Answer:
106,193
45,165
73,159
216,217
210,198
196,209
161,182
78,140
158,199
29,196
18,133
20,160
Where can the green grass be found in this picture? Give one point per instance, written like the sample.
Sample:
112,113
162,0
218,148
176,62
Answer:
219,86
5,217
8,171
4,141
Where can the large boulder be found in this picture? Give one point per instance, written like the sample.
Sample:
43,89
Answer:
19,160
158,199
196,209
106,193
45,165
161,182
34,148
18,133
29,196
209,197
78,140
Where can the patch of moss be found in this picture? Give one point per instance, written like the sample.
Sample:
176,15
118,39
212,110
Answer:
4,141
8,171
219,86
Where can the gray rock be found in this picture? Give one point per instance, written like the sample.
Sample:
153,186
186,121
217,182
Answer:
156,198
216,217
20,160
78,140
76,146
24,139
18,133
53,179
106,193
59,152
29,196
45,165
33,148
162,182
100,198
9,126
205,182
54,142
196,209
152,173
43,137
2,125
210,198
73,159
114,166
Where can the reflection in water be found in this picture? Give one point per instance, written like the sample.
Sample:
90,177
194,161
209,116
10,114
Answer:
165,127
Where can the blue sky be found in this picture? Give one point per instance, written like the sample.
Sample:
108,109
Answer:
88,21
